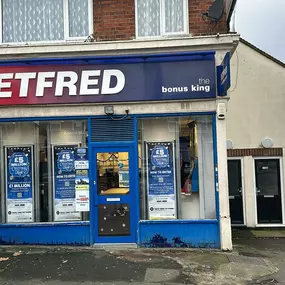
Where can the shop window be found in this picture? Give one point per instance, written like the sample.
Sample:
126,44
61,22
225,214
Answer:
44,172
45,20
176,162
161,17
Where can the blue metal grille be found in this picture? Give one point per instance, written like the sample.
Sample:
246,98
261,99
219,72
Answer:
108,130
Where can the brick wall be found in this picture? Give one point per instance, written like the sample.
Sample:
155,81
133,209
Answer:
197,26
115,19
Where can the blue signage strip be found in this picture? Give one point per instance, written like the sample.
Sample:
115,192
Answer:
19,184
161,180
224,76
64,184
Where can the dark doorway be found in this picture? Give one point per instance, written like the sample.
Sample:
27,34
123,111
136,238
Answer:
235,191
268,191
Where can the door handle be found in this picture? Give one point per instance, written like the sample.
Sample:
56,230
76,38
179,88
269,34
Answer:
240,190
257,191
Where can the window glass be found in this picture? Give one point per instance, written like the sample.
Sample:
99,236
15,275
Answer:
174,16
113,173
45,172
148,18
176,164
78,18
160,17
43,20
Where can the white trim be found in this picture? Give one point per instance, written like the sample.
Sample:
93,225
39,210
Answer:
281,189
90,17
65,19
270,225
1,25
163,34
199,43
136,20
243,189
66,38
186,17
162,17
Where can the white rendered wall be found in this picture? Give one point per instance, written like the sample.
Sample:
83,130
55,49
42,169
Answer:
225,222
256,106
249,192
255,111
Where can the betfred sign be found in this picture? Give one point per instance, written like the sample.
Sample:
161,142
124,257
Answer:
92,83
88,85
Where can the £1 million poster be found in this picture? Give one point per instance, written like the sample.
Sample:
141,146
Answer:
64,184
161,180
19,184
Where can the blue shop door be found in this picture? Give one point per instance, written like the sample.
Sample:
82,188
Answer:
114,185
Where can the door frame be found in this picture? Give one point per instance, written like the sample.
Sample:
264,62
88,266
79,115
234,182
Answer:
281,189
243,190
94,201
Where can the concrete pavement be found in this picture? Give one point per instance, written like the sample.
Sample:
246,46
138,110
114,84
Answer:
253,261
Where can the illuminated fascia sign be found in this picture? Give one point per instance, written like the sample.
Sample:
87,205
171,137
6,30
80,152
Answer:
135,79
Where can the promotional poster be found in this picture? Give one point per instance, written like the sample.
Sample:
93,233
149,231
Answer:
64,184
19,184
161,180
81,165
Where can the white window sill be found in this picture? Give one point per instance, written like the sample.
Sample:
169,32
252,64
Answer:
46,43
166,37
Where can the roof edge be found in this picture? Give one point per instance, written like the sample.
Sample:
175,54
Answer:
262,52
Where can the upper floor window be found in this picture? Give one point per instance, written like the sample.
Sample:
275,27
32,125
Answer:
161,17
45,20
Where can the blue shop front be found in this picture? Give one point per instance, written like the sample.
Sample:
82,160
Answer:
88,174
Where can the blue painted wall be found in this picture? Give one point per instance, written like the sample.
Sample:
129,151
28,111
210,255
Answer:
47,234
179,233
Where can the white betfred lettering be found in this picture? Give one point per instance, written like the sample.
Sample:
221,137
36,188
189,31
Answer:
42,83
25,79
70,84
86,81
5,94
107,75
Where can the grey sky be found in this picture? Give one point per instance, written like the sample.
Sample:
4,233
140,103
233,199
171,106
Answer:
262,23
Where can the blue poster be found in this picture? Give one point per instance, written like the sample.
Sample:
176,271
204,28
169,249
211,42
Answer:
19,184
161,180
64,184
64,172
160,168
19,176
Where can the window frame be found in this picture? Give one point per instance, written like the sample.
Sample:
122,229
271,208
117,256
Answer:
162,21
66,38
